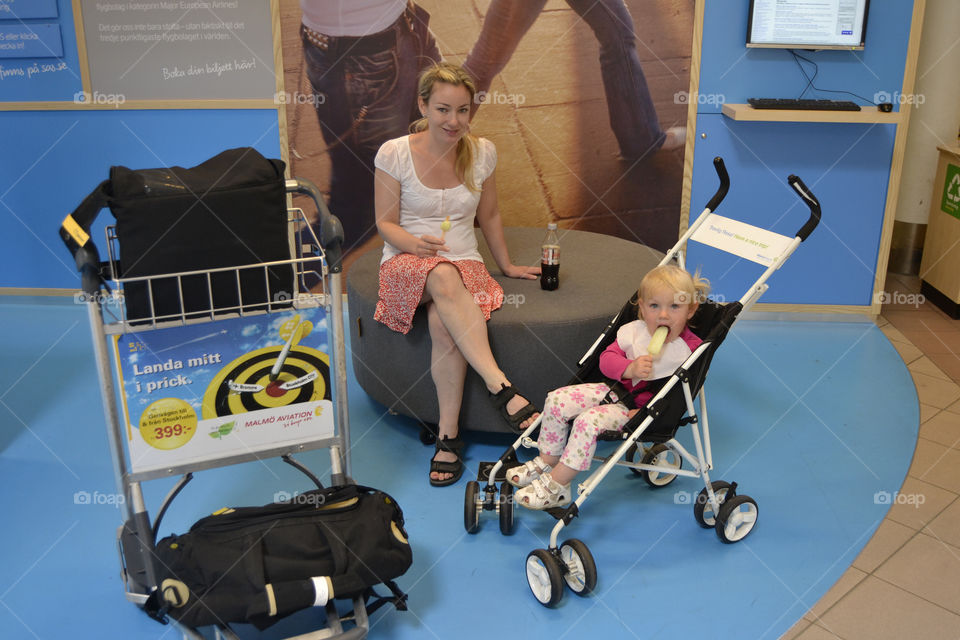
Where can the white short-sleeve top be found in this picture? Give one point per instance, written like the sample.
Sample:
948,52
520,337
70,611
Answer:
423,209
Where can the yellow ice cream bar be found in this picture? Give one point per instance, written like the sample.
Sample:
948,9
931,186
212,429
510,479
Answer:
656,342
445,225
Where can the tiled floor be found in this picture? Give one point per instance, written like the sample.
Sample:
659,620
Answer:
906,581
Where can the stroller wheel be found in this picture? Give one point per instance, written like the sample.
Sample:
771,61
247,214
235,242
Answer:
631,456
737,518
662,456
545,577
703,510
471,507
505,508
581,575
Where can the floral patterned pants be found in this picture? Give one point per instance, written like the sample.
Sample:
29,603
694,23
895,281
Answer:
576,443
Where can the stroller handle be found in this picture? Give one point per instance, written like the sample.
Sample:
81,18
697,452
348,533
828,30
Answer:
724,184
807,196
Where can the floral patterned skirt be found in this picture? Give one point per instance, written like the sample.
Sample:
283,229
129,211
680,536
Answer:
403,277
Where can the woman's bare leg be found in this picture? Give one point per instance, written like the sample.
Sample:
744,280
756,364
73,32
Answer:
467,327
448,370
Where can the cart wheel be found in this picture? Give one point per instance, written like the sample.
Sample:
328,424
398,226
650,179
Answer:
471,507
505,507
661,455
631,456
545,577
737,518
703,510
581,575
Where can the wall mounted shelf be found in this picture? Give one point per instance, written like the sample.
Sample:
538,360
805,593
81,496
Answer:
746,113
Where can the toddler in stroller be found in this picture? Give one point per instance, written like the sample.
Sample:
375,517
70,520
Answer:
646,349
659,393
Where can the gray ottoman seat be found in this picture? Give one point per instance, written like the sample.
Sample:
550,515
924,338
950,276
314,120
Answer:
537,336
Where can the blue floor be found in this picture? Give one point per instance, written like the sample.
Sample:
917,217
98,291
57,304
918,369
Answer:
814,420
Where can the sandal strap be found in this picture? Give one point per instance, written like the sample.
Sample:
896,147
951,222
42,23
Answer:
502,397
450,445
440,466
505,395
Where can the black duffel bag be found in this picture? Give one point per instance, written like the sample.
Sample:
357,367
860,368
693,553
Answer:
258,564
228,211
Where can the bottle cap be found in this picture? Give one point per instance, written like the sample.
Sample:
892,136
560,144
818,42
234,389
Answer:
552,226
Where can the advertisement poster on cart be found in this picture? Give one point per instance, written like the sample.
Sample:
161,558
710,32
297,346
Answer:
235,386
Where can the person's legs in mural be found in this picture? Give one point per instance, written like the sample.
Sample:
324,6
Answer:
504,26
363,99
633,117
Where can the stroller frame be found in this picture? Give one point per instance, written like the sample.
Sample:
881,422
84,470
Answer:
718,506
107,315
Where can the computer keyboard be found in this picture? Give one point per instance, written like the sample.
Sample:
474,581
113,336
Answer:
805,103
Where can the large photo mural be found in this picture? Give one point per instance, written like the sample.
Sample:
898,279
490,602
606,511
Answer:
585,100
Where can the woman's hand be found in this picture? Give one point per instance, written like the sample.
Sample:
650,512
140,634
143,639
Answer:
429,246
639,369
525,273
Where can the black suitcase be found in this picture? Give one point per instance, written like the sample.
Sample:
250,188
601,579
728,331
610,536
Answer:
228,211
258,564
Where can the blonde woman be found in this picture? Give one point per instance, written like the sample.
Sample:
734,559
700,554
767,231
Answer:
430,186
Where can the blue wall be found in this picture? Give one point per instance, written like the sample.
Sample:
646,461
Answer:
52,159
846,165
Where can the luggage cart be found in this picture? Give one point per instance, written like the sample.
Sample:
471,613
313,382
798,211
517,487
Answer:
314,270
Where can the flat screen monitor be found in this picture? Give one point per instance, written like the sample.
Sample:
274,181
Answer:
807,24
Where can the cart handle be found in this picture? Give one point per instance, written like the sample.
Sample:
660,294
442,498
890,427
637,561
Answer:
724,184
811,200
331,229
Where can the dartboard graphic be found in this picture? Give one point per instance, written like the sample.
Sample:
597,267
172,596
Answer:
244,384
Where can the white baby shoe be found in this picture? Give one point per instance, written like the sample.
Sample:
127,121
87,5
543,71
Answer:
526,473
543,493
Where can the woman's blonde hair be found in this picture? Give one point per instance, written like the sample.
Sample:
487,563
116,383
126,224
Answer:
466,147
692,288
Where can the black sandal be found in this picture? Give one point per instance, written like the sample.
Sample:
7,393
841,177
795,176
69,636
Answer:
454,446
500,400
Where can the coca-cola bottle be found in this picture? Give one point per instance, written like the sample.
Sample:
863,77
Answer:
550,259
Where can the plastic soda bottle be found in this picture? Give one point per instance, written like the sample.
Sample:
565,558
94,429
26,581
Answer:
550,259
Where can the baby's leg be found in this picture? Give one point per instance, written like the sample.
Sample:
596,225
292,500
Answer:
582,442
561,406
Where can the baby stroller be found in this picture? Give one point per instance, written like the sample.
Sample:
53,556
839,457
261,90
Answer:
648,445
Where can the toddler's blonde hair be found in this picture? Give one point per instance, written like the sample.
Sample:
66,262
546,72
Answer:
691,289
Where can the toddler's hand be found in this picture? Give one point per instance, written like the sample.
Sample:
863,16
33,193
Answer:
639,369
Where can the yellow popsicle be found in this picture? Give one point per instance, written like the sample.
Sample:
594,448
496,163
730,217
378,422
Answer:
656,342
444,227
